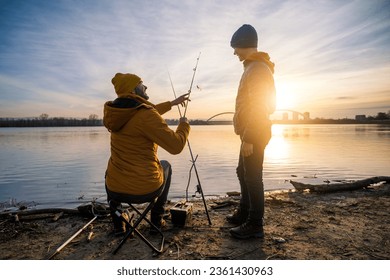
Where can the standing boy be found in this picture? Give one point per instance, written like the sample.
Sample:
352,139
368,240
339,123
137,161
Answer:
255,101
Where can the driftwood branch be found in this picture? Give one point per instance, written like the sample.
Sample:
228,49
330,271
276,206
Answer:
89,209
340,186
52,211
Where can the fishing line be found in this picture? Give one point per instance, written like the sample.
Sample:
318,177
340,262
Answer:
174,93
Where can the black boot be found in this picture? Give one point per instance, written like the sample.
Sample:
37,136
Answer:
158,221
238,217
120,226
248,230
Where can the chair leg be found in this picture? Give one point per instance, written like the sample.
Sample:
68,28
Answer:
133,228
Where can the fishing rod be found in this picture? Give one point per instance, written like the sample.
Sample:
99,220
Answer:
193,160
96,215
192,82
72,237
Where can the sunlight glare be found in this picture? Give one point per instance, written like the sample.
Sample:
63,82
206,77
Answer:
278,148
285,99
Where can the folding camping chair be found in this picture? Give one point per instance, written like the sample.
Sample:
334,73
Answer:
132,226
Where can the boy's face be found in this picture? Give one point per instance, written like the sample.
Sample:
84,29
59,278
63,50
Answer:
242,53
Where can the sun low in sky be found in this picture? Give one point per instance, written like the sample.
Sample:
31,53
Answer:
58,57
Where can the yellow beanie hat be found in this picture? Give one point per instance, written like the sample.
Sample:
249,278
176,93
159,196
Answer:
125,83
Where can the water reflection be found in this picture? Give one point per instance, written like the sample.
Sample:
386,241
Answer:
278,149
57,166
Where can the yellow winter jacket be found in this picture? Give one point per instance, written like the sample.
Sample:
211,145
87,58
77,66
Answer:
137,129
255,100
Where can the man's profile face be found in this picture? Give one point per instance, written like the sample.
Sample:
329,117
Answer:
140,90
242,53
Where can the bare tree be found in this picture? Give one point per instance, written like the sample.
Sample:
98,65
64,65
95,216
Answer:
93,117
43,116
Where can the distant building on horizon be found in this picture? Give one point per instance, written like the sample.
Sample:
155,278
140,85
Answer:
291,115
360,118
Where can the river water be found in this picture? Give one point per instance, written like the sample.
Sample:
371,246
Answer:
64,166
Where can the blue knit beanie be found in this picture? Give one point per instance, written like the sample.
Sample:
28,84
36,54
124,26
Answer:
244,37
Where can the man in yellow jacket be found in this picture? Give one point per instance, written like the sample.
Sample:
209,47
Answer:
137,129
255,101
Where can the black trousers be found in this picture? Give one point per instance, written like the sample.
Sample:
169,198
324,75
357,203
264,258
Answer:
162,193
250,176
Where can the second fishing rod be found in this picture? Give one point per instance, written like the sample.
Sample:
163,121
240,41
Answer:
193,160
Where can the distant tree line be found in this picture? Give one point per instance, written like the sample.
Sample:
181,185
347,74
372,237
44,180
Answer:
93,120
380,116
43,120
192,122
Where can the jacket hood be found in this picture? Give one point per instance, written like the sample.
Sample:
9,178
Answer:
118,112
125,83
263,57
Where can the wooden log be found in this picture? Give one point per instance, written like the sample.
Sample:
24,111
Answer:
35,217
57,216
97,208
359,184
39,211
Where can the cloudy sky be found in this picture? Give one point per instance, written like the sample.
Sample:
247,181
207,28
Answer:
58,57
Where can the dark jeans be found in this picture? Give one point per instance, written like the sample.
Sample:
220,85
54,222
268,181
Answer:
162,193
250,176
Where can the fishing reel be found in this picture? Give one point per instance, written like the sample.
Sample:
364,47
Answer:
198,192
